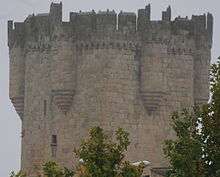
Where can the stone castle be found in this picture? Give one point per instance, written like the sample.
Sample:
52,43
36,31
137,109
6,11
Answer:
100,68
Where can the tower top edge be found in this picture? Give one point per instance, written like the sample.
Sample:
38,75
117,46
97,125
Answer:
56,7
109,20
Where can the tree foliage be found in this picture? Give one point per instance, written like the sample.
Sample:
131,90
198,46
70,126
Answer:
210,121
185,152
196,150
51,169
104,158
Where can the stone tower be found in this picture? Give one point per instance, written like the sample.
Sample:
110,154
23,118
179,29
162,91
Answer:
104,69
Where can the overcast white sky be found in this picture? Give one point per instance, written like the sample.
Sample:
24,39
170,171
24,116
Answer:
10,125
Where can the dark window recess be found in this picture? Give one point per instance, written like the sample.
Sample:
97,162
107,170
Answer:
45,107
54,145
54,140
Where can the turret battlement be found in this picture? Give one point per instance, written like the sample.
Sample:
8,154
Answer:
56,12
166,15
37,27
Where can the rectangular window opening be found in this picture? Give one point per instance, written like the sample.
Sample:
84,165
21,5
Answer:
54,145
54,139
45,107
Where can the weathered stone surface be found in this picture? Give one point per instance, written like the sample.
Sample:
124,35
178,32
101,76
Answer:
66,77
18,103
63,99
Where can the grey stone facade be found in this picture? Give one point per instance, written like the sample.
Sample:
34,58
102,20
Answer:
108,70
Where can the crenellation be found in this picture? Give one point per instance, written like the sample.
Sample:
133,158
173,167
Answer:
127,22
19,33
105,69
166,15
29,18
106,21
19,28
199,24
210,28
56,13
35,28
43,14
10,33
41,27
182,25
107,12
144,17
83,21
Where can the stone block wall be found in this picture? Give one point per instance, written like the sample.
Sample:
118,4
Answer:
108,70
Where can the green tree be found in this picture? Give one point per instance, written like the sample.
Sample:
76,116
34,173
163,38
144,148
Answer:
210,121
196,150
51,169
129,170
104,158
185,153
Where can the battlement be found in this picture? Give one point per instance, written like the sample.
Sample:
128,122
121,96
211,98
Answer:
210,27
104,68
166,15
35,27
56,12
127,21
143,17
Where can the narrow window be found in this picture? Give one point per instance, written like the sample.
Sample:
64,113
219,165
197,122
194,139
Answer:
54,145
45,107
54,139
